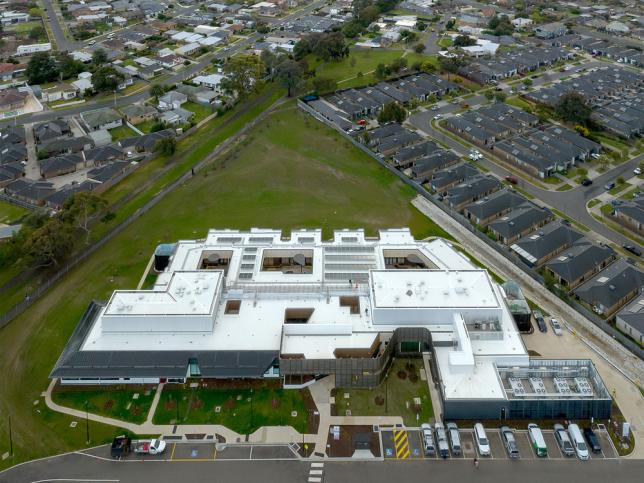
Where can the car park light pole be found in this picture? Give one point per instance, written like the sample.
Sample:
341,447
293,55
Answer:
87,421
10,438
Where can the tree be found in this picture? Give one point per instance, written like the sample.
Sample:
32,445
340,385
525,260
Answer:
398,64
500,96
50,244
419,48
500,25
464,41
527,82
241,75
69,67
324,84
269,60
428,67
99,57
106,79
572,108
450,24
42,68
36,33
167,146
421,26
331,47
290,75
81,208
382,71
451,65
392,112
156,91
408,36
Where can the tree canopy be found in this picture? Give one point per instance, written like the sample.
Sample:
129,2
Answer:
500,25
242,74
464,41
290,74
42,68
392,112
325,46
106,79
572,108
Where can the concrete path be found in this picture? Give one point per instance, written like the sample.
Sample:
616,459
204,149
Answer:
433,390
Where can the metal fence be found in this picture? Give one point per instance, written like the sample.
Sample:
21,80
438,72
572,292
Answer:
501,249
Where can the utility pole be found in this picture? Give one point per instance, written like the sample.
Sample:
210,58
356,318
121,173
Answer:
87,421
10,438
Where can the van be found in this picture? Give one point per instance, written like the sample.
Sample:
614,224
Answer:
481,440
536,438
454,438
511,446
578,441
563,440
441,440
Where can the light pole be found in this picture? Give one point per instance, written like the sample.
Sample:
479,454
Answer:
386,395
87,421
10,438
251,410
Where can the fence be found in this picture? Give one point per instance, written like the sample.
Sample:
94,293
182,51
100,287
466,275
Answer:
20,307
503,250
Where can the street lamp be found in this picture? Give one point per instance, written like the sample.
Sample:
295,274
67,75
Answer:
87,421
10,438
386,394
251,410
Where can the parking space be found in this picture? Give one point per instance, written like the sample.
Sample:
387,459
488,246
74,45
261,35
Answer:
524,444
261,452
388,448
193,451
467,443
608,450
551,444
415,444
497,451
234,453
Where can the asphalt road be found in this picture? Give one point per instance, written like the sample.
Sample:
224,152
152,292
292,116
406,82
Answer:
82,468
61,41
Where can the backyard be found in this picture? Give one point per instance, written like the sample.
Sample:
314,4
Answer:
128,403
201,112
122,132
290,178
240,406
10,213
395,397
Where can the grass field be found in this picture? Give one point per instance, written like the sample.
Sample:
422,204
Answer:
122,132
271,406
518,102
399,394
290,172
10,213
201,112
125,403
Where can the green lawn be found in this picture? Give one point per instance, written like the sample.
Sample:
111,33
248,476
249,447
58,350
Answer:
312,178
399,394
271,406
619,188
201,112
125,403
445,42
564,187
145,126
606,209
10,213
122,132
518,102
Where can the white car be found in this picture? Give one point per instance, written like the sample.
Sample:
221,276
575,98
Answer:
438,116
556,328
637,171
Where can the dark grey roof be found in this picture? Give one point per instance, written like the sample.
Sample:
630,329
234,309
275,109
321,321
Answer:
609,286
579,259
549,239
416,151
57,200
455,174
633,314
104,153
472,188
495,204
519,220
76,363
13,135
107,171
633,209
146,142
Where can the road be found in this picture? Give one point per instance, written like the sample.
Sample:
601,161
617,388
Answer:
62,42
82,468
180,76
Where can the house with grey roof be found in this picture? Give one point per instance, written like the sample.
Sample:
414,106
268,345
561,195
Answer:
445,179
404,157
489,208
519,222
631,215
30,191
472,189
60,165
612,288
630,319
578,263
550,30
106,118
542,245
423,168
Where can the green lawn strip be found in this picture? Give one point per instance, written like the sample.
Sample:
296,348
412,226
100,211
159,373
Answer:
445,42
629,195
606,209
303,183
552,180
592,203
518,102
399,394
145,126
271,406
201,112
122,132
619,188
566,217
564,187
10,213
127,403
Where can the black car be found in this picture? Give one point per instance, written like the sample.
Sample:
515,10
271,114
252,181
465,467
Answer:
593,440
633,249
586,182
542,324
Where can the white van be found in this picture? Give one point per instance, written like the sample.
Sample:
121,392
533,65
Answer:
536,438
578,441
481,440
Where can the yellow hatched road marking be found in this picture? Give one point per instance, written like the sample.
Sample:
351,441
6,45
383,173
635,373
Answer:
401,441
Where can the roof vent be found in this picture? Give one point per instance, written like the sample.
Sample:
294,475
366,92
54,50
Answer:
612,287
409,293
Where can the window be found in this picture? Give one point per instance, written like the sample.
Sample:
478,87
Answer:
297,316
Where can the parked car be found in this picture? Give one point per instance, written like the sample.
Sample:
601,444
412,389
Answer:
586,182
454,438
120,447
510,442
633,249
578,441
441,440
428,439
556,328
536,438
482,442
637,171
593,440
435,107
563,440
609,186
512,179
438,116
540,322
149,446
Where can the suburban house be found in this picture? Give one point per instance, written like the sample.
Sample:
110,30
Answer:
578,263
60,165
106,118
138,113
9,71
446,178
61,92
630,319
211,81
519,222
631,214
536,248
30,191
12,100
612,288
50,130
172,100
176,116
472,189
489,208
83,83
550,30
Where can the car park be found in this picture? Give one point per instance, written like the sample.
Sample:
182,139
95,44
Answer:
556,327
441,440
593,440
633,249
428,439
563,440
537,441
586,182
509,441
578,441
454,439
482,443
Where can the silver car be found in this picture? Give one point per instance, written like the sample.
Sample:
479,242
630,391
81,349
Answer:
428,439
563,440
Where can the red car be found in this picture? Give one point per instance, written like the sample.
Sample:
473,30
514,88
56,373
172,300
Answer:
511,179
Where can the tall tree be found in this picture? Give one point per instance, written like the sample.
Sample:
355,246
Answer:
106,79
50,244
572,107
81,208
242,74
99,57
42,68
156,91
392,112
290,74
69,67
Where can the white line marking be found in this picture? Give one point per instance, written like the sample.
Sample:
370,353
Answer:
316,472
73,479
317,465
315,480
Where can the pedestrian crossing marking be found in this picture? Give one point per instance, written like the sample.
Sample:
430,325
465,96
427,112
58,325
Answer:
401,442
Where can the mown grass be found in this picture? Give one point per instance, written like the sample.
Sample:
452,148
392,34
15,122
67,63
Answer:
289,172
10,213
